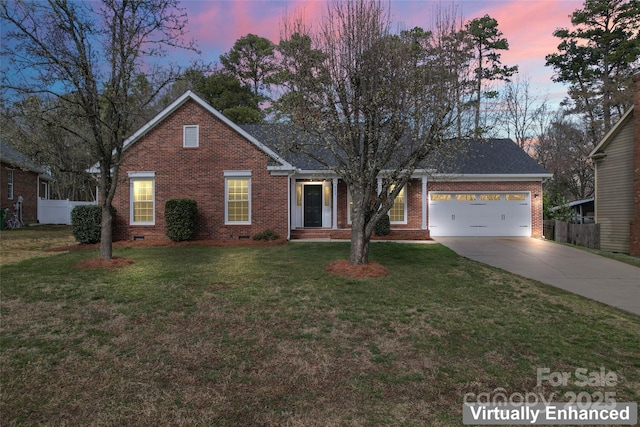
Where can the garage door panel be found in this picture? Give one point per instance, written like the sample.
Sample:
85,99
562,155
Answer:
499,214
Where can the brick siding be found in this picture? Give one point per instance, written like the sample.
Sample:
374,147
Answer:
414,212
414,200
25,184
198,173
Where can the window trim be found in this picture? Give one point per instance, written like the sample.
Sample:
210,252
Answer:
142,176
236,175
404,221
184,136
10,184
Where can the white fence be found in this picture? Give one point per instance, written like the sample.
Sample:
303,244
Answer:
57,211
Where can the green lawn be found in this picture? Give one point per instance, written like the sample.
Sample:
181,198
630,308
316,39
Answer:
263,336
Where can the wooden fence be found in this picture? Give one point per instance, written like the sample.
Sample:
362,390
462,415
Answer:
587,235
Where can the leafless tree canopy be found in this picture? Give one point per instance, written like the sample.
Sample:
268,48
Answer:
379,101
99,59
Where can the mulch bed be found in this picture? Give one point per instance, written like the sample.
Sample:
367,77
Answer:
114,262
343,268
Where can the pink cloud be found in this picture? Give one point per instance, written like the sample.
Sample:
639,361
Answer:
527,24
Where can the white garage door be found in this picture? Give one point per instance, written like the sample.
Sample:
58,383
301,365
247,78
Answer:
479,214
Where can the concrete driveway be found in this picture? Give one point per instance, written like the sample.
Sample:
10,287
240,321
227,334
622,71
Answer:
574,270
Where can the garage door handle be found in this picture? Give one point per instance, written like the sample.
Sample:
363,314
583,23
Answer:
453,217
504,217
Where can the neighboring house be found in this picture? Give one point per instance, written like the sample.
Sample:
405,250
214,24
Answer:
617,175
583,210
21,181
244,182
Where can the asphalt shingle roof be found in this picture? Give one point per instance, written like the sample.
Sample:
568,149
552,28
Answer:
483,157
11,156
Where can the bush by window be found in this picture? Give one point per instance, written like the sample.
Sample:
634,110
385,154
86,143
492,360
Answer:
181,219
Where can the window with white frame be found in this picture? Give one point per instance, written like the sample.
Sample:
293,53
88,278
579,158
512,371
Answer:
191,136
44,190
142,198
237,189
10,184
398,212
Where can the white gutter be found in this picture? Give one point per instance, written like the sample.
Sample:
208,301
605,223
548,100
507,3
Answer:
491,177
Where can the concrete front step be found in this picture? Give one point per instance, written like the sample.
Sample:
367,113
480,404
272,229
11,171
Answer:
345,234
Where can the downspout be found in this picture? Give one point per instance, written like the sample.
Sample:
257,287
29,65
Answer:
289,176
423,198
38,201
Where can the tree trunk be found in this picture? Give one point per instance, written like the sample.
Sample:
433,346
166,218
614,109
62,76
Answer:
106,236
359,254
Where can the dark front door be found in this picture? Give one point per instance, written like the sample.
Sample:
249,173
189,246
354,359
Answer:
313,205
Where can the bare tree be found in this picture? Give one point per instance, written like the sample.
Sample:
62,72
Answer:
520,112
34,127
564,150
89,55
377,104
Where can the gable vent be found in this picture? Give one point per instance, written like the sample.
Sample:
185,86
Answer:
191,137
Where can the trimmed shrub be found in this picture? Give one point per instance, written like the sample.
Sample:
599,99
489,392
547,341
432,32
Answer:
383,226
181,219
85,222
267,234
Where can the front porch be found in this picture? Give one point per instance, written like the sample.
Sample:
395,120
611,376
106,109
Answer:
345,234
320,208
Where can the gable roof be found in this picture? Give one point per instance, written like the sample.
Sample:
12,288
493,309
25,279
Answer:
612,132
280,163
478,157
493,157
13,157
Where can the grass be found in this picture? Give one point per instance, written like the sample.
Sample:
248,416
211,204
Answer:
29,242
627,259
263,336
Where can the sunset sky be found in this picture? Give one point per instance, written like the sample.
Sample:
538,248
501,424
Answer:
528,25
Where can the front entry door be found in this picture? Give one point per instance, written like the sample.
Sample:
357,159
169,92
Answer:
313,205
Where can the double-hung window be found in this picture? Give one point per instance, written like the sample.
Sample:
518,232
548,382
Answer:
142,198
237,189
10,184
398,212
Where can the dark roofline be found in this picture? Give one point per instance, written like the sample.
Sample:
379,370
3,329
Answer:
499,157
15,158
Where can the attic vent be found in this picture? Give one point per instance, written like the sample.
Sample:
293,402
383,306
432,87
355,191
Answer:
191,136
